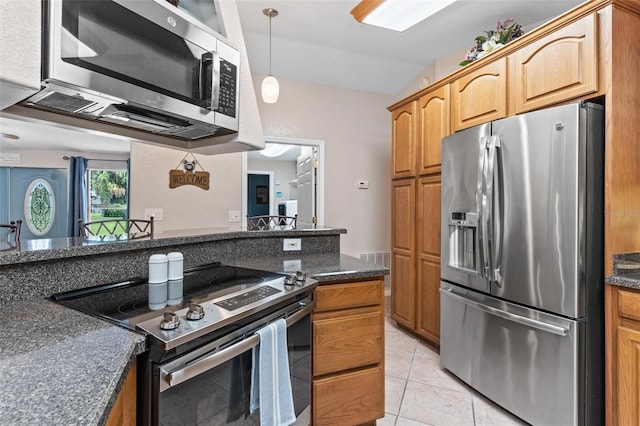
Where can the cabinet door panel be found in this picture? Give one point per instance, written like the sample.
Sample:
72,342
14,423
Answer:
434,124
403,151
429,300
558,67
628,376
403,214
349,399
350,295
429,216
480,96
346,343
403,291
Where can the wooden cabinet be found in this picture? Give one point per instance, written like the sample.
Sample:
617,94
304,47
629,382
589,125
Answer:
403,151
428,280
348,352
480,96
558,67
433,124
403,291
123,412
623,373
415,254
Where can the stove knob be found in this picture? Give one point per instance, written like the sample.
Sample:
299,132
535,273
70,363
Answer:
301,276
171,321
290,280
195,313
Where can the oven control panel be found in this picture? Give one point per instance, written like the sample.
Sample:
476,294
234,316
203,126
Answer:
173,328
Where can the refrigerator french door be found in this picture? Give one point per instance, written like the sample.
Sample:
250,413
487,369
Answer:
522,306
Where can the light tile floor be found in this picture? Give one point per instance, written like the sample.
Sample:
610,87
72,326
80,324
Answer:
418,392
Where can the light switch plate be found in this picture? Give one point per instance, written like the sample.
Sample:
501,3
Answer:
292,244
293,265
156,212
363,184
234,215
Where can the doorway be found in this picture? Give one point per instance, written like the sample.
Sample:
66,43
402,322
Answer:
38,196
259,199
298,177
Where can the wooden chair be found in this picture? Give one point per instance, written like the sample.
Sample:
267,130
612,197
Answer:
266,222
7,230
118,229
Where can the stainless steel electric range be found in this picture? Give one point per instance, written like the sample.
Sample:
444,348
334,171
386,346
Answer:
198,367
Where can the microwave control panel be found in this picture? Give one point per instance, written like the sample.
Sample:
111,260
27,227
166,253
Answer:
228,84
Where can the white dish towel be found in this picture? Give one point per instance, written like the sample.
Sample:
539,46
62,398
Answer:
270,381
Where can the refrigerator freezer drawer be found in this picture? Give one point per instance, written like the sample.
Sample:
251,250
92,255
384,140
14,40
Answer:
524,360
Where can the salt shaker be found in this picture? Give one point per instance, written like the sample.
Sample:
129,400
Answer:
158,281
175,285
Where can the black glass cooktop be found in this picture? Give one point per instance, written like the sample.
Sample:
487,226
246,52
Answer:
127,302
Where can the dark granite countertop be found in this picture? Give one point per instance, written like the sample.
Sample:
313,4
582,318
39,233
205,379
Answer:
60,248
59,366
626,271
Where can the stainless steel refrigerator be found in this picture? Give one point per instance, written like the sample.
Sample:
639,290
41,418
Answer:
522,310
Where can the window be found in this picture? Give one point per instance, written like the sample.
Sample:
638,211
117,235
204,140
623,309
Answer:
108,195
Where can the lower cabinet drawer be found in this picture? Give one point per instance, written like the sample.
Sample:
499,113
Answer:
349,399
347,342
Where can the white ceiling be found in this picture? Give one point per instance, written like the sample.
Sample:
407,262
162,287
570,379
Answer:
318,41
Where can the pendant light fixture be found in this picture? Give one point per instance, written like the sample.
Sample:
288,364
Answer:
270,86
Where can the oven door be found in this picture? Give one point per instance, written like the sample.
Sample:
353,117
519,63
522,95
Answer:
212,385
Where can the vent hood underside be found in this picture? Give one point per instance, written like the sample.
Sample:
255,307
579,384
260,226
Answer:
89,105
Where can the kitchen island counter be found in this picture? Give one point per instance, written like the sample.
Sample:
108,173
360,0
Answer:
60,366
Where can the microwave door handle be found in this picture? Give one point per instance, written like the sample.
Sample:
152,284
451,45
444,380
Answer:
207,363
210,78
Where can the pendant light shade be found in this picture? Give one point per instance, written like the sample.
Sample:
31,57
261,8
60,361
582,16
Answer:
270,86
270,89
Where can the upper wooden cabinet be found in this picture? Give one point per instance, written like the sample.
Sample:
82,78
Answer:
480,96
404,141
434,124
558,67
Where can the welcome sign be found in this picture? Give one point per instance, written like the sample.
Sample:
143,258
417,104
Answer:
189,176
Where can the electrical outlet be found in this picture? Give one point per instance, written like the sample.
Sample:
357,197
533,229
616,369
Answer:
234,215
292,244
156,212
292,265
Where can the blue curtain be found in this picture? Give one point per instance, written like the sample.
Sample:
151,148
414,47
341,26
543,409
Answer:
128,188
77,195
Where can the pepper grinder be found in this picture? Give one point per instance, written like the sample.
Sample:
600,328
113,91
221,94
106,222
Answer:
158,281
175,284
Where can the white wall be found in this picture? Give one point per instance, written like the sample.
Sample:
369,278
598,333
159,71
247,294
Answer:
356,129
185,207
284,171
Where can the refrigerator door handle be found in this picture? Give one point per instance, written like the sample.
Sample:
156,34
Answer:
481,201
529,322
494,210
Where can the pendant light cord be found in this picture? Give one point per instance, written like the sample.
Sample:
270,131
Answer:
270,19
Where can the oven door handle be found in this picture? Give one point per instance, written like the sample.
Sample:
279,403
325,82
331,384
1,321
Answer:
205,364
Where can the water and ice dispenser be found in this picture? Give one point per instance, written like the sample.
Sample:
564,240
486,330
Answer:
463,227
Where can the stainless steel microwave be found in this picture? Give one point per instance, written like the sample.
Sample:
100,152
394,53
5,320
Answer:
144,64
